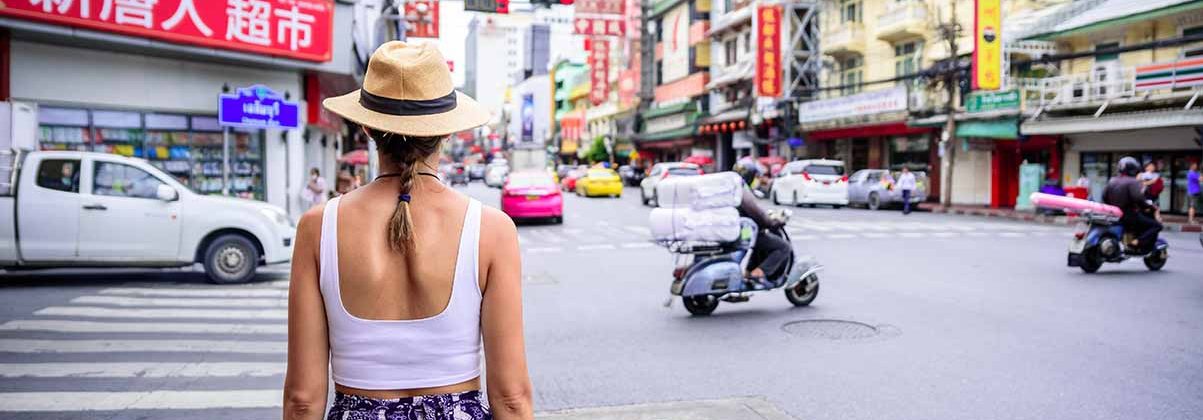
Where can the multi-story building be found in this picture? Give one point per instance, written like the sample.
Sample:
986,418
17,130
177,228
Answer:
570,91
1136,94
614,118
681,56
495,55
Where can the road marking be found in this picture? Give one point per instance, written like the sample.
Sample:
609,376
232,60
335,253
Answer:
912,234
141,327
1011,234
99,312
140,370
977,234
635,245
214,292
144,400
841,236
543,250
946,234
598,247
804,237
642,230
815,226
14,345
876,235
178,302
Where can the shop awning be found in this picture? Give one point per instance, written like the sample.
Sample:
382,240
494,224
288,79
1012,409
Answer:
1006,129
889,129
679,133
1115,122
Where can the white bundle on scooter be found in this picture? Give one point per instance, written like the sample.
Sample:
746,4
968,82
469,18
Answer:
698,208
701,192
686,224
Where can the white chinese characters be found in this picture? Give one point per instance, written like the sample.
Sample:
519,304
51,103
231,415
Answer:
188,9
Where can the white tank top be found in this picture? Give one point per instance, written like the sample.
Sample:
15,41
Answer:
404,354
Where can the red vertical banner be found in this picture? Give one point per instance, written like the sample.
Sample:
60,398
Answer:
768,50
422,19
599,71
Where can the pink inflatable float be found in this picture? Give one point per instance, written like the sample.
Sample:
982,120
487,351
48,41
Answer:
1073,205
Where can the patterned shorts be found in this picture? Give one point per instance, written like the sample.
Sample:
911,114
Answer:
471,405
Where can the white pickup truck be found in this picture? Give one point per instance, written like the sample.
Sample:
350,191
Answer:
80,209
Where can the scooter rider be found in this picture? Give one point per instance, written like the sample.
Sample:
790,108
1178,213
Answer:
1125,191
771,252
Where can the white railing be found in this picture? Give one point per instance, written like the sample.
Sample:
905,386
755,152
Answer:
1094,87
902,13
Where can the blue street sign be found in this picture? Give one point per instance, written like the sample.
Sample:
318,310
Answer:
796,142
257,107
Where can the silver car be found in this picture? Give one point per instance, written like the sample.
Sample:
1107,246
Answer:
874,188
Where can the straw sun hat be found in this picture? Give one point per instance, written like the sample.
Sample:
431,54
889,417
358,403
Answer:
408,90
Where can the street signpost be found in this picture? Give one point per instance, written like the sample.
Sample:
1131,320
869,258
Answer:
983,101
252,107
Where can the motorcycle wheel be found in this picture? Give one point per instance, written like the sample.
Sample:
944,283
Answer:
1091,261
700,305
1156,260
798,296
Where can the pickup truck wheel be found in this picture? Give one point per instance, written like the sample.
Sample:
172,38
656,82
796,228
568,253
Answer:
231,259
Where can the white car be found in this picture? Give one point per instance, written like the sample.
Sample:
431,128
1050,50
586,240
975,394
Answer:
80,209
660,171
495,175
810,182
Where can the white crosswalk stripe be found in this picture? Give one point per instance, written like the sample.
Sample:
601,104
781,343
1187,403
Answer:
148,400
102,312
215,292
53,325
17,345
140,370
176,302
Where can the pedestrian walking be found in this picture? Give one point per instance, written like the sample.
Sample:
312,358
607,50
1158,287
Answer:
906,183
314,192
1194,194
392,285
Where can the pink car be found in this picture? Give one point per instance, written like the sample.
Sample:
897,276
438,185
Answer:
529,195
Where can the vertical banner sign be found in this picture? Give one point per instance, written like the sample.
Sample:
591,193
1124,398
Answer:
987,45
768,50
422,19
528,118
299,29
599,70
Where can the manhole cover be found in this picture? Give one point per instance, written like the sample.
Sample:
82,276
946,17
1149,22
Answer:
830,329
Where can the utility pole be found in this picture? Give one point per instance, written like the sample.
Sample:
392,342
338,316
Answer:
950,30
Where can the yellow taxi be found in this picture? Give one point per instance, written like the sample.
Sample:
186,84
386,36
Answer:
599,182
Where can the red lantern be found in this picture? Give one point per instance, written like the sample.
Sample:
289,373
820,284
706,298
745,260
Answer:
741,125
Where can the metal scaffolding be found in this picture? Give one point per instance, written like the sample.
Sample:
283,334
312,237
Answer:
803,60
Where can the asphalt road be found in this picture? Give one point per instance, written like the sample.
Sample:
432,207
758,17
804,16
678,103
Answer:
919,317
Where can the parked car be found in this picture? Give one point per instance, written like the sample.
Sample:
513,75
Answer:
811,182
81,209
599,182
874,188
660,171
457,174
533,194
495,175
631,175
563,170
568,183
476,171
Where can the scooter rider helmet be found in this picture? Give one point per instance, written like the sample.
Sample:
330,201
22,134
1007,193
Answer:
747,170
1129,166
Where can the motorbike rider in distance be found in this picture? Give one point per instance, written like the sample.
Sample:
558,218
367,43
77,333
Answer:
1126,192
771,252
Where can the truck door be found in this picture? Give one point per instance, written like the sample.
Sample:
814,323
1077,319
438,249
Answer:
48,210
122,219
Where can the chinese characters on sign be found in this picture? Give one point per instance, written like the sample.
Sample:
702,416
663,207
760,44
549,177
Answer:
599,26
299,29
987,43
599,70
768,51
422,19
487,6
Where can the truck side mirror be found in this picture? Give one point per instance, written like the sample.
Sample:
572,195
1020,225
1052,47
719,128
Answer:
166,193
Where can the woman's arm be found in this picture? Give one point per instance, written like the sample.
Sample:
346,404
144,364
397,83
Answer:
507,380
308,345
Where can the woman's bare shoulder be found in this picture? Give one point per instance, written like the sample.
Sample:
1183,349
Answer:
497,226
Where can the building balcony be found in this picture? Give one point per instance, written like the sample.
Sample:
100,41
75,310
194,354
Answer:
1084,89
844,40
902,20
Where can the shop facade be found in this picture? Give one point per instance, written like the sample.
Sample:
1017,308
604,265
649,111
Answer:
668,130
100,89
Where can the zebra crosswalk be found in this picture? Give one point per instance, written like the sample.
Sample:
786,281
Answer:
155,348
608,237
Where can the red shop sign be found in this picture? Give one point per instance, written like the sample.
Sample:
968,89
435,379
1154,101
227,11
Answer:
599,72
300,29
768,51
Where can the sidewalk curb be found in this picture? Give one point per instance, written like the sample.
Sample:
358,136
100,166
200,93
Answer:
1038,218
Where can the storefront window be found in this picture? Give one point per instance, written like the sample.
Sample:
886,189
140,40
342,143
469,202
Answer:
1096,168
910,152
187,148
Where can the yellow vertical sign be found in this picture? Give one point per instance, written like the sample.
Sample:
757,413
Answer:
987,45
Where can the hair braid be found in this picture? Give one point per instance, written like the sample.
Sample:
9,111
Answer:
407,153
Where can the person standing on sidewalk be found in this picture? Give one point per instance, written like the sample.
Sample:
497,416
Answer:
906,183
1194,194
314,192
395,285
